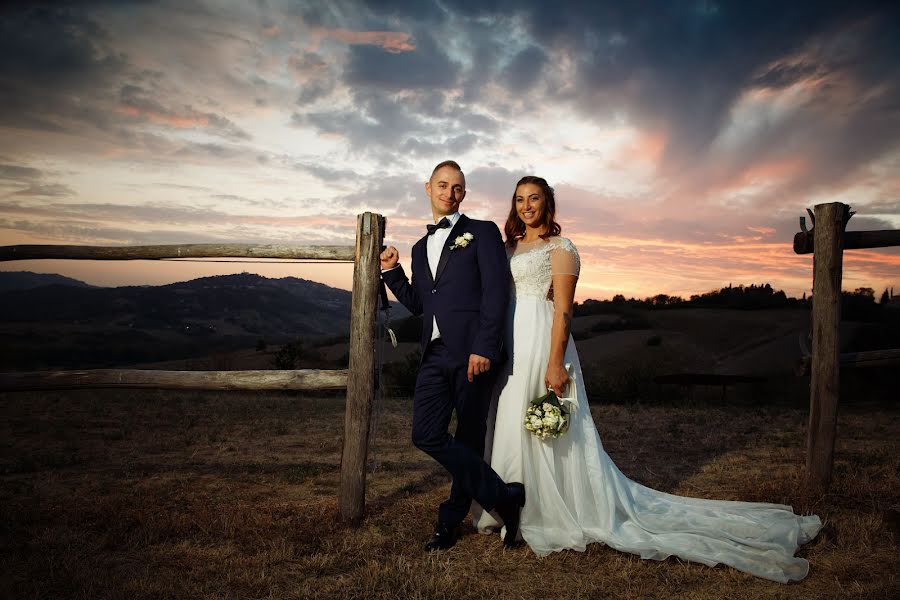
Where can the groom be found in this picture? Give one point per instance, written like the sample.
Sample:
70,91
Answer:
460,283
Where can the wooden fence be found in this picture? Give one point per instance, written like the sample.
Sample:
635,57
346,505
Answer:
358,379
827,241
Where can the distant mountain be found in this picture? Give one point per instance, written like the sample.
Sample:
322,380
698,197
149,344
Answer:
61,325
26,280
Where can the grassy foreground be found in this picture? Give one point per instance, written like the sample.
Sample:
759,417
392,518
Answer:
132,494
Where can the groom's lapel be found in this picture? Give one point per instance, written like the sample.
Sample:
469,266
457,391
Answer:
446,252
421,257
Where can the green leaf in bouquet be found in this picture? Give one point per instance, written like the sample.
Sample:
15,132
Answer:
550,397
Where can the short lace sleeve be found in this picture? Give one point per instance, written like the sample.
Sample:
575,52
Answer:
564,258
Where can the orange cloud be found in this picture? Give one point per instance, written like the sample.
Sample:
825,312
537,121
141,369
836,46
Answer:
392,41
762,230
772,171
272,31
648,147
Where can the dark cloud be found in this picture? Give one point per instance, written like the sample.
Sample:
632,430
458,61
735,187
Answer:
426,67
525,69
19,173
314,91
680,68
307,64
214,150
46,190
378,118
389,194
53,59
30,182
493,182
138,103
455,145
780,75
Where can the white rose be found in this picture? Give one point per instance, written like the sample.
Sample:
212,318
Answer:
468,236
536,422
548,407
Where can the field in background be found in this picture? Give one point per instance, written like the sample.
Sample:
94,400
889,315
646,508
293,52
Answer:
152,494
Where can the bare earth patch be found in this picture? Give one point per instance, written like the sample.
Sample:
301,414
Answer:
139,494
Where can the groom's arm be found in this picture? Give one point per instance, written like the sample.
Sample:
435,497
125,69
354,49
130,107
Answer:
404,291
494,269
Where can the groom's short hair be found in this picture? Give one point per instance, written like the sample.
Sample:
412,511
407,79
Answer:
446,163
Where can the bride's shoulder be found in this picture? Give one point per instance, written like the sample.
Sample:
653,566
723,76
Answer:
565,243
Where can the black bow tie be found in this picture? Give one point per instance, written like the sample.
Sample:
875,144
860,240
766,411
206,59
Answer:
442,224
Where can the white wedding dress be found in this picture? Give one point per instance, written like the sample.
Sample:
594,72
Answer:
575,494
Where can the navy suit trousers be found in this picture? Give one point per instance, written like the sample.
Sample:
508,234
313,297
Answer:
442,386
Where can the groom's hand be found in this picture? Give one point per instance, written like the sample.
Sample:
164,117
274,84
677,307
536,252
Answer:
389,258
477,366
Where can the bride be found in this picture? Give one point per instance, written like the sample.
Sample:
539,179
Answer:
576,494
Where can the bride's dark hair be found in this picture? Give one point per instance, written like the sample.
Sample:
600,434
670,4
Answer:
515,227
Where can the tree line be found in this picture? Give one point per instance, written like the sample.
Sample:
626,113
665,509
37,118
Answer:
860,302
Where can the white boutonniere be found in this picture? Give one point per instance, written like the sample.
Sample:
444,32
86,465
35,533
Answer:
462,241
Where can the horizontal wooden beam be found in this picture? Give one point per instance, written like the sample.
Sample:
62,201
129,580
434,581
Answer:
34,251
870,358
303,379
853,240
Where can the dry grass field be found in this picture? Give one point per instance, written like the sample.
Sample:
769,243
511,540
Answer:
151,494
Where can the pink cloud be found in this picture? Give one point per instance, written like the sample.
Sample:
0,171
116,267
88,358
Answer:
777,170
392,41
181,121
649,148
762,230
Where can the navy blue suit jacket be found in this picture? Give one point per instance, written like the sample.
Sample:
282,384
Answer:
468,295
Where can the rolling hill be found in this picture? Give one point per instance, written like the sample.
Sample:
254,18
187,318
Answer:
70,324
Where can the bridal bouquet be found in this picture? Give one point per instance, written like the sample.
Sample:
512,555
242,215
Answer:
546,417
549,415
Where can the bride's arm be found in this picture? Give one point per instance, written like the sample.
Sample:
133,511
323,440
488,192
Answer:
563,299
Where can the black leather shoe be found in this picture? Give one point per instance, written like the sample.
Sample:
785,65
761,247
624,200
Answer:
510,510
444,537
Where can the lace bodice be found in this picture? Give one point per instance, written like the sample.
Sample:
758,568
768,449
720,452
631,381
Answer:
534,264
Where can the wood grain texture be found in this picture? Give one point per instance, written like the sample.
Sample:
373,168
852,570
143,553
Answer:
303,379
826,318
361,382
804,241
173,251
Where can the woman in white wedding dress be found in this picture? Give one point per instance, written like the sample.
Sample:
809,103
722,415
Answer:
575,493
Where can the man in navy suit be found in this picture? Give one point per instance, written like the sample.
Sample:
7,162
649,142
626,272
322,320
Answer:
460,284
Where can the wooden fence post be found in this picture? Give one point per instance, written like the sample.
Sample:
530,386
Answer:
361,381
826,318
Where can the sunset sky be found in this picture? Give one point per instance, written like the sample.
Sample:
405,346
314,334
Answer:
684,139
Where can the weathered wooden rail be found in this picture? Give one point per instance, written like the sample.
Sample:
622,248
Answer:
804,241
300,379
172,251
689,380
827,241
868,358
359,379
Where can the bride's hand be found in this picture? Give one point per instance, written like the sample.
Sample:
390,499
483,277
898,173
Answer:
557,378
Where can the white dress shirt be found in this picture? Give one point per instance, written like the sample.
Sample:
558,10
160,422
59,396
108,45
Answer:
434,245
